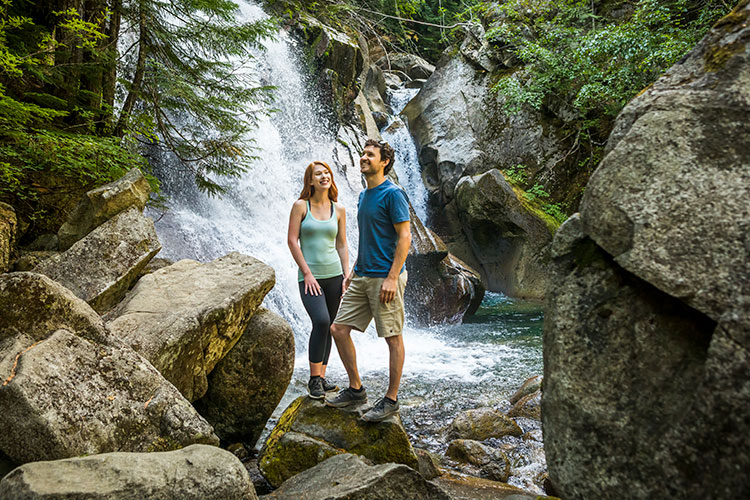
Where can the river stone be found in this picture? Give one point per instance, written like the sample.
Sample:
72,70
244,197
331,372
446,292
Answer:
481,424
412,65
322,431
348,477
475,488
101,267
246,386
8,225
197,472
428,464
185,318
530,385
101,204
529,406
508,237
490,463
669,200
70,388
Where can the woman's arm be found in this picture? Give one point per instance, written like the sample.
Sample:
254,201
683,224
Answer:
292,240
341,246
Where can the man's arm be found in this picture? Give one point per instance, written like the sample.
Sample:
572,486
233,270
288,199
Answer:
390,283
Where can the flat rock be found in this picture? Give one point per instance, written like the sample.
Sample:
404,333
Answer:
481,424
309,432
68,387
474,488
246,386
101,204
185,318
101,267
197,472
348,477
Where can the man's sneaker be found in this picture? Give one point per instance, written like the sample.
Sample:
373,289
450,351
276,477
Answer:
315,388
329,387
347,397
382,410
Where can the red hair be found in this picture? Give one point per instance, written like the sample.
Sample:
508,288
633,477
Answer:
308,190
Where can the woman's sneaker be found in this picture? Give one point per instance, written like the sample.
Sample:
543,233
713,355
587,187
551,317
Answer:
347,397
329,387
315,388
383,409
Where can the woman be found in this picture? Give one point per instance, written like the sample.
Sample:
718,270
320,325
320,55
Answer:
317,240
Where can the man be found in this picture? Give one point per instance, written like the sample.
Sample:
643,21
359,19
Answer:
375,286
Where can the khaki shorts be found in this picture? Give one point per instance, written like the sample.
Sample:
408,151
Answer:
361,303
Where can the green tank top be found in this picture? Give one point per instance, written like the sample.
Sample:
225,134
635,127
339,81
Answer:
317,239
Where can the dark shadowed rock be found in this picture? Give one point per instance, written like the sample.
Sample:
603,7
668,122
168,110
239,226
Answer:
484,461
246,386
197,472
481,424
428,464
348,477
309,432
29,259
8,225
101,204
71,388
185,318
101,267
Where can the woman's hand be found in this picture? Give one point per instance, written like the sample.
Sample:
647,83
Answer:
311,285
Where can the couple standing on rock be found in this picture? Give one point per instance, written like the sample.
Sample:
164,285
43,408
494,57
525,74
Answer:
373,288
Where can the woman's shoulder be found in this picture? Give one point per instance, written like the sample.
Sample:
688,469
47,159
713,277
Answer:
299,206
339,208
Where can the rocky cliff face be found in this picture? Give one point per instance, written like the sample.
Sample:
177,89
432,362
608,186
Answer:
647,327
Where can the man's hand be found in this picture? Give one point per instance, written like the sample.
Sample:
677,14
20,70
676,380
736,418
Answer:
388,289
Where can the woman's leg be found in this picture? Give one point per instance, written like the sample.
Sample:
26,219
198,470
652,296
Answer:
317,309
332,293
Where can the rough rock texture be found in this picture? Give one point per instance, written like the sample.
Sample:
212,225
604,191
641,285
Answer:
28,260
197,472
101,204
412,65
474,488
246,386
507,237
489,462
184,318
8,225
309,432
428,464
646,348
102,266
530,385
481,424
348,477
528,406
452,287
70,388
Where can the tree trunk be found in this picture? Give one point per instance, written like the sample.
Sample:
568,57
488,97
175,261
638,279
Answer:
140,70
109,80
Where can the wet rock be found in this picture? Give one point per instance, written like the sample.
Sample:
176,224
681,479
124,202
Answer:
646,323
101,204
71,388
185,318
481,424
530,385
428,464
490,463
347,476
101,267
8,225
196,472
529,406
474,488
309,432
374,89
246,386
393,80
412,65
334,50
508,237
415,84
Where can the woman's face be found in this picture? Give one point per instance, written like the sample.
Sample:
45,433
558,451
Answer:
321,177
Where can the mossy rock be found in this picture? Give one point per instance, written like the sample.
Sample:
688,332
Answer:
309,432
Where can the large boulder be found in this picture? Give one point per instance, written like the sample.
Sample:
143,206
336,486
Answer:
246,386
309,432
101,267
348,477
483,461
8,225
508,237
101,204
412,65
185,318
197,472
482,423
71,388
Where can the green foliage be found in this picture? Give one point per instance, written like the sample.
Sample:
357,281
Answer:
517,174
536,192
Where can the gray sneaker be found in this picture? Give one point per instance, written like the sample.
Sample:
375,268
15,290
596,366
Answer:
347,397
329,387
315,388
382,410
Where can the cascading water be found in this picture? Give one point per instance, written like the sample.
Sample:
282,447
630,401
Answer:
447,369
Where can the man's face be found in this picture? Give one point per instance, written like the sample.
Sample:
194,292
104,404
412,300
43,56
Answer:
370,162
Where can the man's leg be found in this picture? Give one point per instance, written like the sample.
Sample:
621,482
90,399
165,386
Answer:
348,354
396,364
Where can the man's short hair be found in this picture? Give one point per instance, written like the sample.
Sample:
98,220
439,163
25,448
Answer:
386,153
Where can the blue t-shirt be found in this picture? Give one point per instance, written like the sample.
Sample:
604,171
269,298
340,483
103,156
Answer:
379,209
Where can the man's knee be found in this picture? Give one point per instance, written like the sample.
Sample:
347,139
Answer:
340,331
395,341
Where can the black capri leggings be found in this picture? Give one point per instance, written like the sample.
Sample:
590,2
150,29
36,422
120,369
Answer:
322,310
